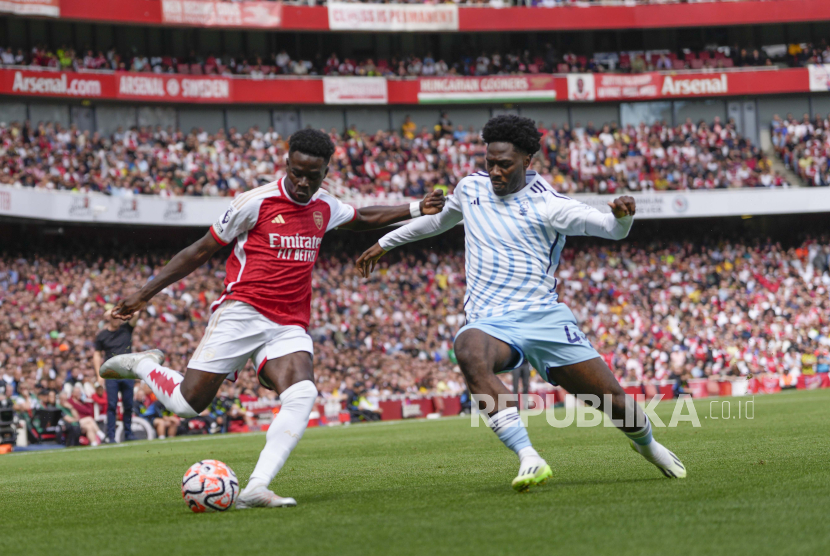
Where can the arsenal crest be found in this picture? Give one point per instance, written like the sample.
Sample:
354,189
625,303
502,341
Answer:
318,220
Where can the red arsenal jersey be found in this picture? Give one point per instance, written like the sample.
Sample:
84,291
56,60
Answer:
276,243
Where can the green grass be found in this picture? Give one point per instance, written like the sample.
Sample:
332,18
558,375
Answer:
441,487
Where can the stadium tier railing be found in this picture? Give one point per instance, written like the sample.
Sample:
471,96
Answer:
68,207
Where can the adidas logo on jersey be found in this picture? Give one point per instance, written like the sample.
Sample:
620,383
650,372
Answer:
278,220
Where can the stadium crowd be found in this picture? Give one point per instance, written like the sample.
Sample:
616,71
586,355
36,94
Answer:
405,163
546,60
655,312
804,146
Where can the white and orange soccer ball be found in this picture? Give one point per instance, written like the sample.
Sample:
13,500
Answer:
210,486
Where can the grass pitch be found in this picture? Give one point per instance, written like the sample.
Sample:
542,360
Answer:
755,487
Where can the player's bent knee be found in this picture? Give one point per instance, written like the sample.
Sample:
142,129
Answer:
470,353
471,363
304,390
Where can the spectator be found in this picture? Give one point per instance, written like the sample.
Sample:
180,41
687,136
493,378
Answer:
116,339
151,409
77,415
445,124
408,128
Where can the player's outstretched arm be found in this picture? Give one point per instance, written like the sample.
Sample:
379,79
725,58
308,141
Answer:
426,226
370,218
573,218
366,262
186,261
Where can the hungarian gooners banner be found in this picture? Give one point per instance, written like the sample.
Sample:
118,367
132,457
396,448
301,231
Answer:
512,88
392,17
210,13
51,8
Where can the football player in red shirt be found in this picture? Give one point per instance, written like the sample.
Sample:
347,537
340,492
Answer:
263,313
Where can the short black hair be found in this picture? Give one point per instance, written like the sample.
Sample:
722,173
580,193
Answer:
509,128
312,142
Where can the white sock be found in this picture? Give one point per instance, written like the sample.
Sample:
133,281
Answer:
654,451
166,385
284,432
528,452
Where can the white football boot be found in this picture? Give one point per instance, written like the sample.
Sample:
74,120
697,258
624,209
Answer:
532,471
261,497
665,460
123,366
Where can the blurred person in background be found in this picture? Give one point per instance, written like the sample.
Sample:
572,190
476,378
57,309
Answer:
150,408
75,424
84,412
116,339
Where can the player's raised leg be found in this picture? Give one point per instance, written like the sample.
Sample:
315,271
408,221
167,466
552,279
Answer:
185,395
594,377
292,377
480,356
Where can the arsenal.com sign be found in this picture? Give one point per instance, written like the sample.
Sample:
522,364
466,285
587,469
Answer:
120,85
29,83
173,87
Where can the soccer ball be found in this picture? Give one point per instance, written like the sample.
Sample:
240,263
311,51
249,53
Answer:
209,486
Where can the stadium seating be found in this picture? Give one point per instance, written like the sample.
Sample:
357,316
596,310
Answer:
656,313
545,60
803,146
607,159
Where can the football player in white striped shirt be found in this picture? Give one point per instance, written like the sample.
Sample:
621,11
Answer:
515,226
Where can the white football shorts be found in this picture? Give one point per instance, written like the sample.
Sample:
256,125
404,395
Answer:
236,332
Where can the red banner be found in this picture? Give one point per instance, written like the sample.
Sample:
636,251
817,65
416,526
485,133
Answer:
50,8
57,84
589,87
175,88
215,89
211,13
316,18
812,382
644,16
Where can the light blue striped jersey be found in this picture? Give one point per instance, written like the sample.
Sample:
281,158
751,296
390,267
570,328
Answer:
513,243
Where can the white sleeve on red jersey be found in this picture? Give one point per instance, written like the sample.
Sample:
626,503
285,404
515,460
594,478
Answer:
241,216
341,213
